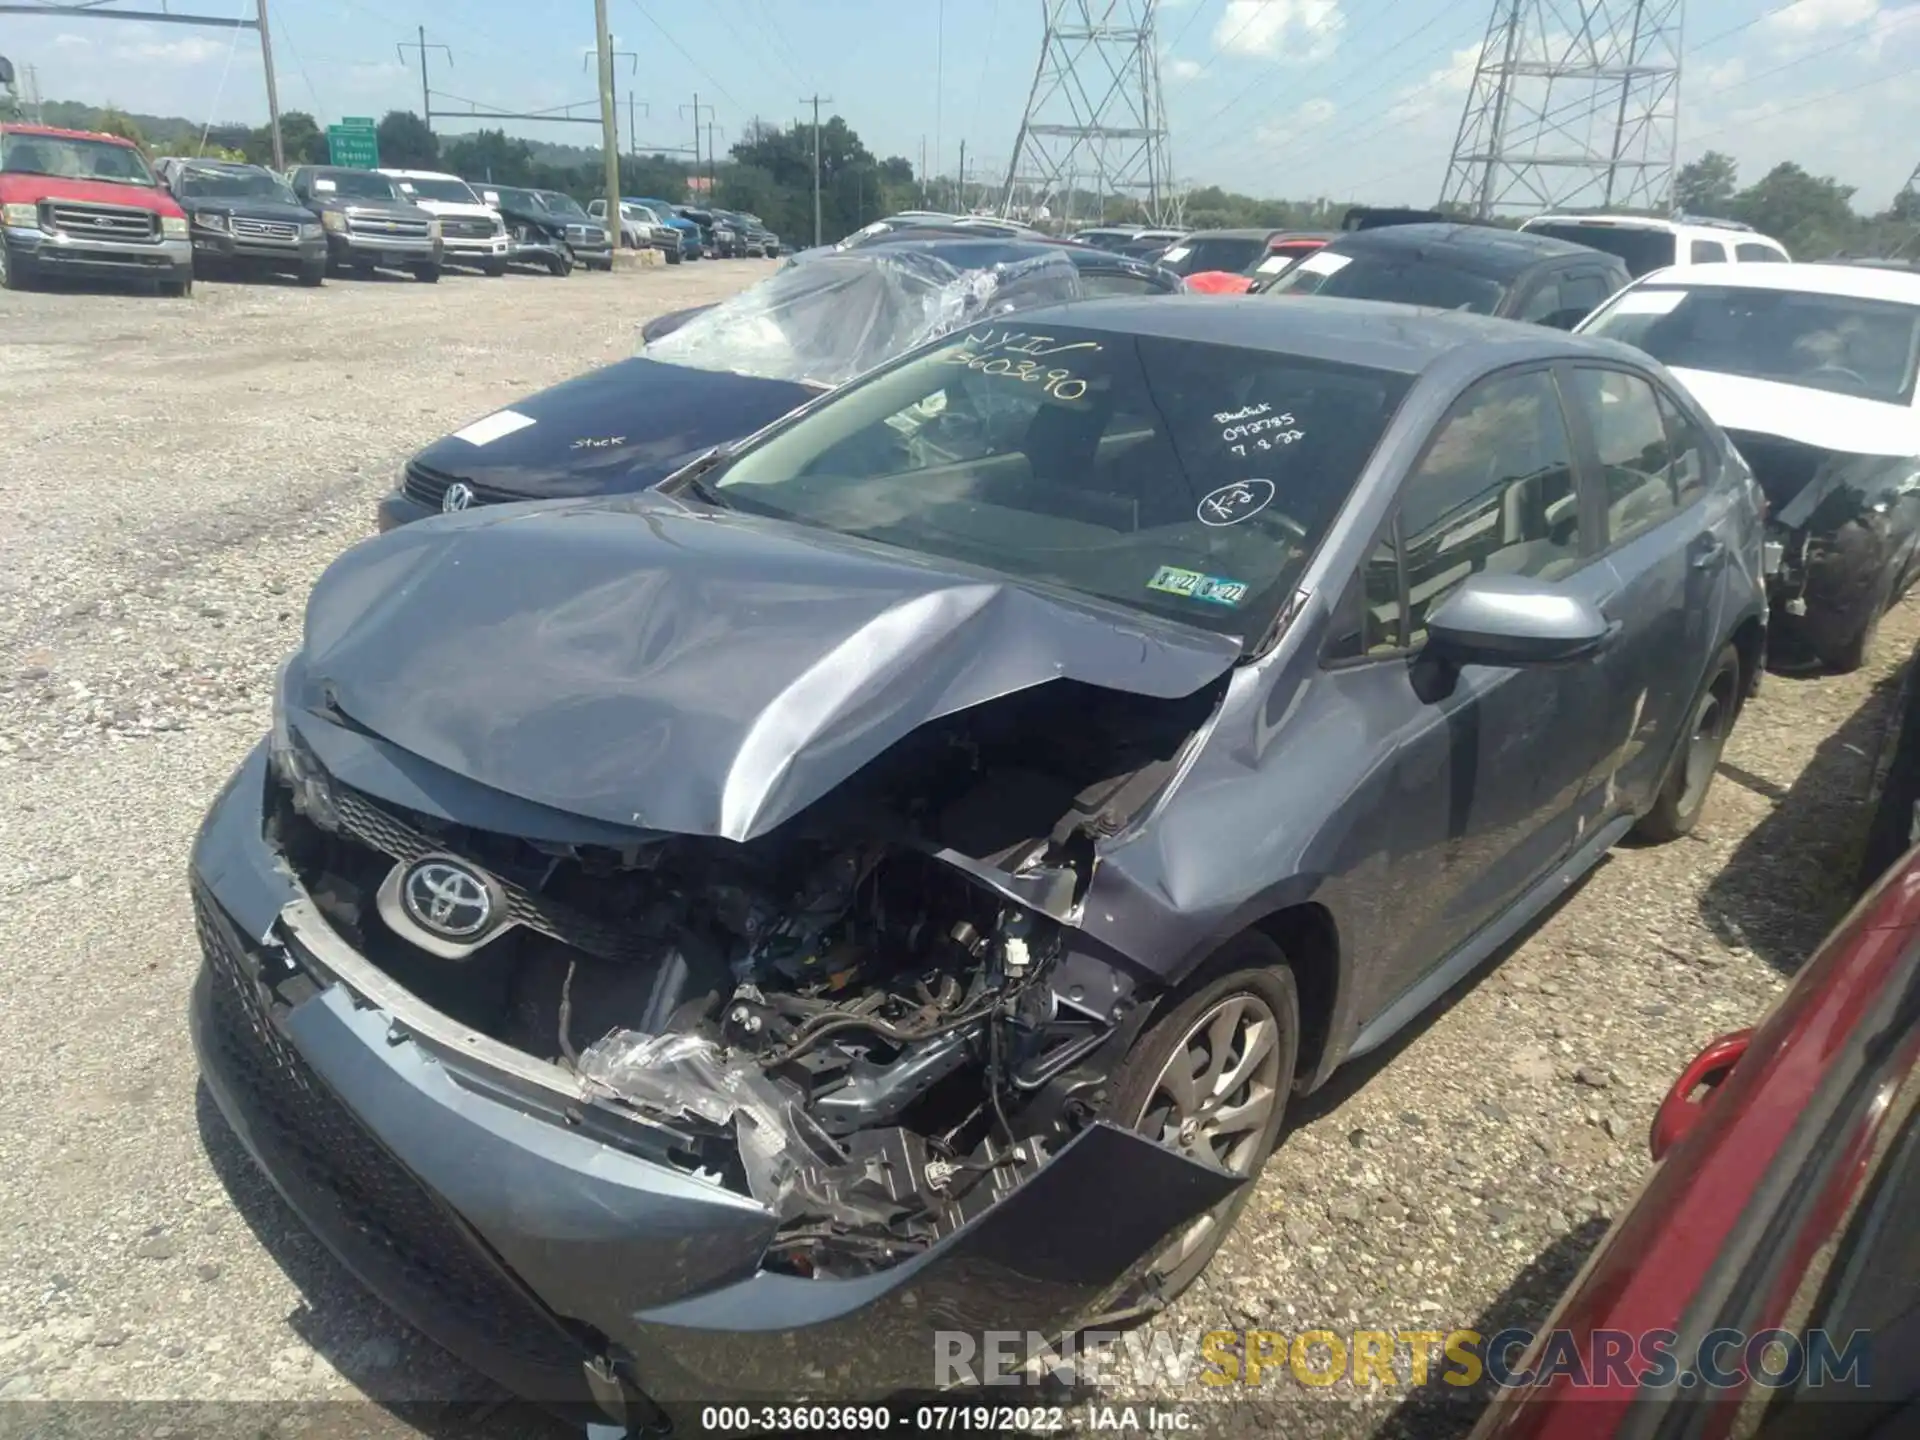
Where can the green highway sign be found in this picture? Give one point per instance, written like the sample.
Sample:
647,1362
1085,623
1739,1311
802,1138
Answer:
356,122
353,148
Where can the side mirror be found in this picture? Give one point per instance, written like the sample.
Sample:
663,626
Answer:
1514,620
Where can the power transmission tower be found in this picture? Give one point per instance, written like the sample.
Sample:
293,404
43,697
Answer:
1575,104
99,10
1096,106
426,95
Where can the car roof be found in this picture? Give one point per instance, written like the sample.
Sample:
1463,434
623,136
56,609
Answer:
1863,282
1665,224
57,132
420,174
977,253
1261,232
1482,249
1405,339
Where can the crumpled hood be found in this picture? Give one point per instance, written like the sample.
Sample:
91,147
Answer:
1822,418
619,428
645,663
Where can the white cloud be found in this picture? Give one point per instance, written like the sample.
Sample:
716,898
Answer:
1287,129
1185,69
184,50
1814,17
1441,90
1279,29
66,40
1724,76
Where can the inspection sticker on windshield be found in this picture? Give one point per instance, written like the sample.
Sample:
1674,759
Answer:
1231,504
489,429
1322,263
1192,585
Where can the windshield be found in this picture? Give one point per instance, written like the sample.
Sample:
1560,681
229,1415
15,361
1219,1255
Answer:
1403,278
233,185
842,314
1186,479
448,191
1867,348
563,204
73,159
1644,250
1191,257
354,185
521,199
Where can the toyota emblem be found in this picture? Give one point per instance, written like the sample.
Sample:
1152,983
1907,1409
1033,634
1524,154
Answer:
458,497
446,899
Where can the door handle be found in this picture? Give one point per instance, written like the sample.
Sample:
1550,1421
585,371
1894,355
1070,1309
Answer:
1707,551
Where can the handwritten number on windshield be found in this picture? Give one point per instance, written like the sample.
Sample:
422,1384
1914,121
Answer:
992,352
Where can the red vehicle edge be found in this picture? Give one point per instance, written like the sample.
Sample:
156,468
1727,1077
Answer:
77,203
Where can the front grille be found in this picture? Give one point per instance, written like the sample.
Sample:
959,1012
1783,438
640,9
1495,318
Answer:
459,229
414,1235
587,234
429,487
283,231
378,829
382,228
103,222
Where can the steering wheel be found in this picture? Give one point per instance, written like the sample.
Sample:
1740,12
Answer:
1855,376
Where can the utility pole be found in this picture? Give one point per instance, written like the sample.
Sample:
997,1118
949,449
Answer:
816,101
696,108
962,206
609,124
273,91
711,175
426,94
632,67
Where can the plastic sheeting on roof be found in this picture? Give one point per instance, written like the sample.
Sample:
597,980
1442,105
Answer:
838,316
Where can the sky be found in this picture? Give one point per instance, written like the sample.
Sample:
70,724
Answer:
1300,99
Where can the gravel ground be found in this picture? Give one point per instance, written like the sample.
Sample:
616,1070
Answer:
179,472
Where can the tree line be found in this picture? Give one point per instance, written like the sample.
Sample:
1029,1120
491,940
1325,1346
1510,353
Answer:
769,173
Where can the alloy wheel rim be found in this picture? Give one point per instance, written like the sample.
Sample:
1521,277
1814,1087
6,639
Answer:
1213,1101
1703,750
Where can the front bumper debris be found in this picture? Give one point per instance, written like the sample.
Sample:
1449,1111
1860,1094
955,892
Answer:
545,1234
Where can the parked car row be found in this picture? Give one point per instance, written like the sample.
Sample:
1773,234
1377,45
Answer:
78,203
974,731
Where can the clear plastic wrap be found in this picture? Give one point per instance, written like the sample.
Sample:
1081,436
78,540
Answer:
678,1075
838,316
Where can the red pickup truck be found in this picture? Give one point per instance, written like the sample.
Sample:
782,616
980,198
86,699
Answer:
77,203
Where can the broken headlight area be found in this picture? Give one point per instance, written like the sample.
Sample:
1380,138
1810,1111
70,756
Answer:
853,1016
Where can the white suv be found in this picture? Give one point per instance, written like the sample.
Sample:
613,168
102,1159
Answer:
1648,243
471,233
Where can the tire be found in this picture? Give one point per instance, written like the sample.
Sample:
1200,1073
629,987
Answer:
1249,972
494,268
1683,794
13,275
427,274
674,257
1847,656
315,274
177,289
559,265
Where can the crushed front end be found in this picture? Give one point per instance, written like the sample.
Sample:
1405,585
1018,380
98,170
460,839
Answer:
617,1114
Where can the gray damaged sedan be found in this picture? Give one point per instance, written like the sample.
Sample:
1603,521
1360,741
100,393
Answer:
893,875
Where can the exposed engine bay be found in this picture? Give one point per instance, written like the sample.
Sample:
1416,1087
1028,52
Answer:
854,1018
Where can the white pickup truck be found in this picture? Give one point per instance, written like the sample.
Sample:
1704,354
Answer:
471,233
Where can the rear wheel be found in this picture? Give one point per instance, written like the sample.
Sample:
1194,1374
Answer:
1684,796
1210,1079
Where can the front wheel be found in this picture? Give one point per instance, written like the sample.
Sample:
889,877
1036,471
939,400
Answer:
427,274
495,268
1684,795
13,275
559,265
314,274
1210,1079
674,257
177,289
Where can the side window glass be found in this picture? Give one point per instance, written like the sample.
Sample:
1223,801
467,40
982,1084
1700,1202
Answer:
1707,252
1755,253
1546,302
1636,458
1369,619
1693,457
1494,492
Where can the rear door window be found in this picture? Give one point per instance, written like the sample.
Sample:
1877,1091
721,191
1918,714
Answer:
1644,250
1707,252
1752,252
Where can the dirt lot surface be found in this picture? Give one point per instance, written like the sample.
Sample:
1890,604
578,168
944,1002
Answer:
177,473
